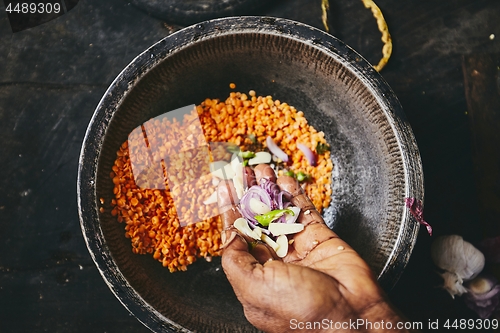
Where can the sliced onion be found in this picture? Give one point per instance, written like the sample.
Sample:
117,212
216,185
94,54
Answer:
279,200
308,153
258,193
273,148
272,190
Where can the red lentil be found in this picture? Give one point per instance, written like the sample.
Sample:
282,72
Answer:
150,216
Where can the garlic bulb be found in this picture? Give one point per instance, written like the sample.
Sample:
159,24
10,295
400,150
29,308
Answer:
483,296
460,259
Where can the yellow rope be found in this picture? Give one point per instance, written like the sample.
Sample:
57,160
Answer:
382,27
325,5
386,37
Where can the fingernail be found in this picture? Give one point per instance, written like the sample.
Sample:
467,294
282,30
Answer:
225,240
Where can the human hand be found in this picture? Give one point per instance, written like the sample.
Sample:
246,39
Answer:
321,278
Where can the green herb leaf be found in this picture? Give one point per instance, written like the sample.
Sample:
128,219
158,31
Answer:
267,218
252,138
322,148
235,149
301,176
247,154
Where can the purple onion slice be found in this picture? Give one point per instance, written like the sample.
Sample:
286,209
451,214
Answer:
308,153
273,148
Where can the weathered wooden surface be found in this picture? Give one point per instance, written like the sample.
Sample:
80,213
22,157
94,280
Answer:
482,87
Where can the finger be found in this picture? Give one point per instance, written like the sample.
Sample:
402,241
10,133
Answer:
242,268
264,171
227,201
237,260
263,252
315,232
227,197
239,265
248,177
308,214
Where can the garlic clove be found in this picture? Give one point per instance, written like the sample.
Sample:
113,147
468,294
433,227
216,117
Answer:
236,164
474,263
258,232
260,158
278,229
258,207
237,167
238,185
242,225
282,242
269,241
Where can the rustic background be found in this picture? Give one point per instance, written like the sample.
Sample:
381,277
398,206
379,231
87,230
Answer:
444,69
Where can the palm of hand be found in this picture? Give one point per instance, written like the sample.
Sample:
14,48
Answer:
333,286
321,277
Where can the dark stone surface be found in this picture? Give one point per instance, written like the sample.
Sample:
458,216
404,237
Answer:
53,76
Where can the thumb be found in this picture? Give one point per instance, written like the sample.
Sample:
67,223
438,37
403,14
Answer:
237,262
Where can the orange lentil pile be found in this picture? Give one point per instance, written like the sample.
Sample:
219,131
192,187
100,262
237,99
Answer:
150,215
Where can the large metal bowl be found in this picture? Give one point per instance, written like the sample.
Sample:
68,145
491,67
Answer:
377,163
